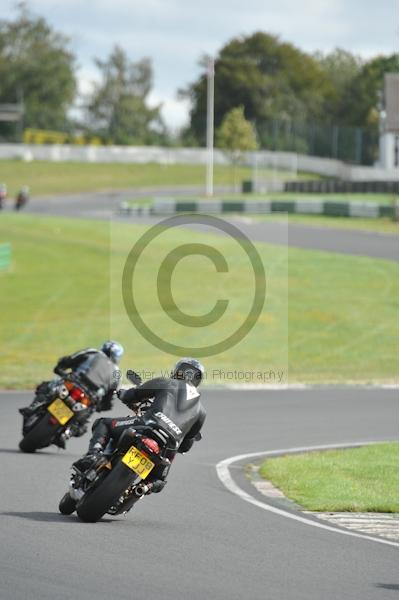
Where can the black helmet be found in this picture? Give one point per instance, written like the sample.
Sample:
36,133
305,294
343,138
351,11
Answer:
189,369
114,350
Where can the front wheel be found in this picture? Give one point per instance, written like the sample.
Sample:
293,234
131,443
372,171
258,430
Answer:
67,505
39,436
98,500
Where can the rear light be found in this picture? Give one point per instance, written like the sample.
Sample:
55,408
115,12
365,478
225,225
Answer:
53,421
151,445
78,395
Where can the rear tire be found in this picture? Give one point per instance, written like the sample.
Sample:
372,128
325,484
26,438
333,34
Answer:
97,501
39,436
67,505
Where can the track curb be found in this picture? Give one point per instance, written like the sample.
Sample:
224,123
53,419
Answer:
223,473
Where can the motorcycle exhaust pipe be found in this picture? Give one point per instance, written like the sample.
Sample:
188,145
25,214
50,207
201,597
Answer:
141,490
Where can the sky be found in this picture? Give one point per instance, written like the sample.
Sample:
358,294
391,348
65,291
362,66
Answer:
176,33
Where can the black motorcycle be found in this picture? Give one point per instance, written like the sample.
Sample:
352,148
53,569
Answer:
119,479
59,411
21,200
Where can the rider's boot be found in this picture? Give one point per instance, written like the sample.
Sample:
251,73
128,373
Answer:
93,457
27,411
154,487
61,439
78,429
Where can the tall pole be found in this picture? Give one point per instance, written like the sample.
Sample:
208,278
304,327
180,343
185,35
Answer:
209,125
21,114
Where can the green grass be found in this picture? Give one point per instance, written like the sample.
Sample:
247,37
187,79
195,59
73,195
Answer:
381,225
342,322
46,178
358,480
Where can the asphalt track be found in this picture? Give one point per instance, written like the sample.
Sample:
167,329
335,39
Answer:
196,540
105,205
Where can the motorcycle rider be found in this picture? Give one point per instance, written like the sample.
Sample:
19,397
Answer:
174,402
3,194
22,197
95,369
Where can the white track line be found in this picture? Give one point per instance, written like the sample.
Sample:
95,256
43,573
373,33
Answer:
222,470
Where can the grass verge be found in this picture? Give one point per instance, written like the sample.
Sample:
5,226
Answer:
47,178
357,479
328,317
381,225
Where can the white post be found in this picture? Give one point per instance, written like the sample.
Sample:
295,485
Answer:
255,172
209,125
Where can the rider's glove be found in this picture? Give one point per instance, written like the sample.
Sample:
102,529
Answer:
134,377
122,395
61,365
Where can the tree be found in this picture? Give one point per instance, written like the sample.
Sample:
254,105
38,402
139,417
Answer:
118,108
269,78
341,68
236,135
37,66
359,104
362,101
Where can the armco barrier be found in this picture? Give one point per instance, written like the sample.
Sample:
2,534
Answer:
5,256
365,210
309,207
336,209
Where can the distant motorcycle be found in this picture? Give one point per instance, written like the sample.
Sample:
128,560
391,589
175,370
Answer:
3,194
60,410
22,198
118,480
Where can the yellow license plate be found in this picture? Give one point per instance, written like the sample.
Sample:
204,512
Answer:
138,462
60,411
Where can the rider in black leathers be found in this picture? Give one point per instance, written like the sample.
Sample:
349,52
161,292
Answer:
172,402
22,197
96,369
